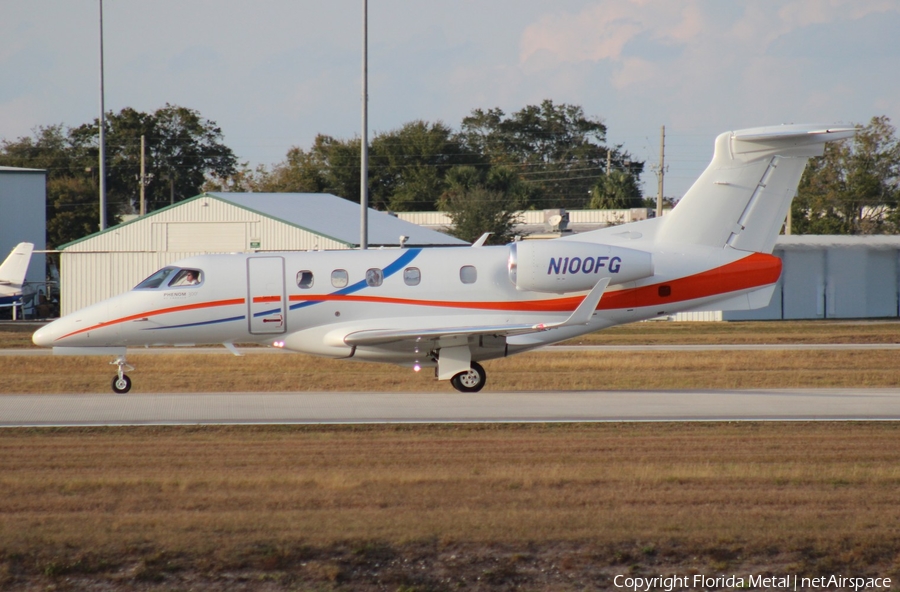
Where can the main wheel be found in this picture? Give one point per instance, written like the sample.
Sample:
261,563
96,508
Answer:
470,381
121,385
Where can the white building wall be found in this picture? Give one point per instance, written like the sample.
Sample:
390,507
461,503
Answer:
803,284
532,217
23,207
834,278
883,293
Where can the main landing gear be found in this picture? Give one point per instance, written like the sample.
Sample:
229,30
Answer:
470,381
121,384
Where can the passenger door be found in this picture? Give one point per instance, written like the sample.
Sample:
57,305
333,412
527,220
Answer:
267,312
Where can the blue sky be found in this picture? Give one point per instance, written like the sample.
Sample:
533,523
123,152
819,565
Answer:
274,73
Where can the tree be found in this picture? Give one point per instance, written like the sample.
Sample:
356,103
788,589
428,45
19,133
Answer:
408,166
854,187
483,200
183,151
554,147
299,172
616,191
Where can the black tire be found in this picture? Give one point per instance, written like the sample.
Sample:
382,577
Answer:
121,386
470,381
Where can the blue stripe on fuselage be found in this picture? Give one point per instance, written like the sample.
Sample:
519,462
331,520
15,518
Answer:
217,321
388,271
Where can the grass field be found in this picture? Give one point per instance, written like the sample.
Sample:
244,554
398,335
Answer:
444,507
536,371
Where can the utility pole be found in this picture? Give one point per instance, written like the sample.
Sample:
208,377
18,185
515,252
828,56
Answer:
364,143
102,133
143,175
662,171
608,161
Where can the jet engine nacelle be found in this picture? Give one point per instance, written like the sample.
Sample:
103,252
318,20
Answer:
569,266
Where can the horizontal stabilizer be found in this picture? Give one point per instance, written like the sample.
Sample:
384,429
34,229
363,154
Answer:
742,198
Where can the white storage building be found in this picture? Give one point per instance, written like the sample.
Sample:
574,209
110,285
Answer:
113,261
833,277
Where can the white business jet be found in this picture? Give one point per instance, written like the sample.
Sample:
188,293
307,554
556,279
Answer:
450,308
12,274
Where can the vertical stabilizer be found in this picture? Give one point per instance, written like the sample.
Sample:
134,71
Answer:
742,198
13,270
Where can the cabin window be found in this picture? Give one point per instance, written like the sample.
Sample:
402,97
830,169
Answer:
665,291
186,277
412,276
305,279
468,274
339,278
155,280
374,277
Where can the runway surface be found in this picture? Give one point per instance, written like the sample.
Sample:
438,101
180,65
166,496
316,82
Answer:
557,406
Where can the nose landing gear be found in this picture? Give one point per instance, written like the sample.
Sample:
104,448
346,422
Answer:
121,384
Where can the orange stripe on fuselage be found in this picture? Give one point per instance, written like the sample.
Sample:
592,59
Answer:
755,270
154,313
752,271
263,299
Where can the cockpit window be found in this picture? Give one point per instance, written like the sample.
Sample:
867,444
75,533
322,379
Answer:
186,277
155,280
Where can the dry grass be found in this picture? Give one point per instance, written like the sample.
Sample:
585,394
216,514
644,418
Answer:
186,372
712,496
755,332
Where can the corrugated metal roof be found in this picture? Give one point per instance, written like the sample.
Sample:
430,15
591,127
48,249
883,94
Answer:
6,169
319,213
336,217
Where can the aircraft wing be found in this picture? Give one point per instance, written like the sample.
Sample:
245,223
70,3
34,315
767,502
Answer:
580,316
387,336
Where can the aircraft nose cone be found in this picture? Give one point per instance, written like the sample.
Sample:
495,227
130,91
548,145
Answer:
45,336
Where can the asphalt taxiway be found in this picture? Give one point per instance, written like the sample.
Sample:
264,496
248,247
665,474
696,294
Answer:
553,406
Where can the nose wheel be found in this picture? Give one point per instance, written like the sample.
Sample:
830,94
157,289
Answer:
121,384
470,381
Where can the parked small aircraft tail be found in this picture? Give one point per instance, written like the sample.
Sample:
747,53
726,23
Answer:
742,198
12,272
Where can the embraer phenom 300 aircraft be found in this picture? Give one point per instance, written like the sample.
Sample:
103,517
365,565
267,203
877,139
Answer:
449,308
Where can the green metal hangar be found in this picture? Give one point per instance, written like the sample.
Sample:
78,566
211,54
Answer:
115,260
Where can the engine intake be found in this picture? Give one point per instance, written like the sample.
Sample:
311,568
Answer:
569,266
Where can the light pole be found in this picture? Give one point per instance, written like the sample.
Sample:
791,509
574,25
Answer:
102,133
364,142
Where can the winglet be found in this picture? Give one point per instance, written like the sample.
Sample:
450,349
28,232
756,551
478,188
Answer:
482,239
581,315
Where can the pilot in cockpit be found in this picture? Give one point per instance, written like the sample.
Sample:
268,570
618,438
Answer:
186,277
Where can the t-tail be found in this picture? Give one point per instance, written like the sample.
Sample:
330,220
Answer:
13,270
742,198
